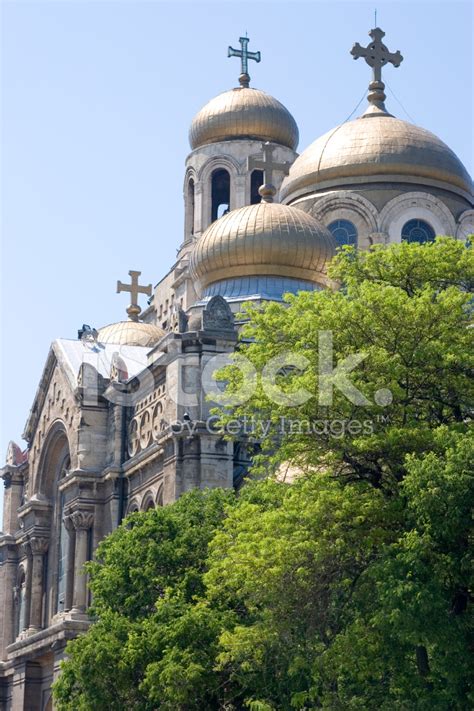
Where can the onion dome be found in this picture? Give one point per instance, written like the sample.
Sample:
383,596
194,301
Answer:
263,239
244,113
130,333
377,147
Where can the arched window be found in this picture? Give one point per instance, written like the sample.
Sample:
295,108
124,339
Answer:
344,232
190,209
417,231
220,193
256,181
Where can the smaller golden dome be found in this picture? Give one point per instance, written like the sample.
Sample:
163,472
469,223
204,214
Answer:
131,333
244,113
263,239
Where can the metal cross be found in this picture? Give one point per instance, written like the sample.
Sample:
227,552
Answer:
244,55
376,54
268,165
134,289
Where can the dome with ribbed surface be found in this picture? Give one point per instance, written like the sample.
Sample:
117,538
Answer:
263,239
131,333
375,148
244,113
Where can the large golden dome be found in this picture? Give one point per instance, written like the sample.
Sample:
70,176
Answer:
263,239
131,333
375,148
244,113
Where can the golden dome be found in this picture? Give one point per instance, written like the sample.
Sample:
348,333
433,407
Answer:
263,239
131,333
244,113
375,148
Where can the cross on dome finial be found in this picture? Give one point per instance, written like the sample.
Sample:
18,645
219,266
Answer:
134,289
268,165
244,55
377,56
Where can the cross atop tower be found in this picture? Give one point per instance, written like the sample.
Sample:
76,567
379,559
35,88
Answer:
134,289
244,55
377,56
268,165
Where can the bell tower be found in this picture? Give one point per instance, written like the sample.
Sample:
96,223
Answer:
224,134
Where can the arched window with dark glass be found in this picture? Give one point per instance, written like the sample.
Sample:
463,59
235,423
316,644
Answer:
344,232
256,182
190,209
220,193
417,231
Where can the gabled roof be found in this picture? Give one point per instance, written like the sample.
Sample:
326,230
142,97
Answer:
69,355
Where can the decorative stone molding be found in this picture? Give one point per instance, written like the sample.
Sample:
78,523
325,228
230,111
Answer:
39,545
145,429
133,437
416,205
82,520
346,205
217,316
59,412
226,162
465,226
149,423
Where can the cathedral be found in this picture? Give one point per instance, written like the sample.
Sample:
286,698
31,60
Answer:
120,421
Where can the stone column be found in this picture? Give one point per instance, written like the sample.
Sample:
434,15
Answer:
82,521
238,195
39,546
26,547
69,525
198,209
8,608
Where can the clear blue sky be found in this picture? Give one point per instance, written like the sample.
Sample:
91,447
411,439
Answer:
97,98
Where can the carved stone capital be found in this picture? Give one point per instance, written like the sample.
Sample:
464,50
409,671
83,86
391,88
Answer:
39,545
82,520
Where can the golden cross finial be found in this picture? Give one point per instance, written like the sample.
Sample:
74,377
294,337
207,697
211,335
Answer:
377,56
244,56
268,165
134,289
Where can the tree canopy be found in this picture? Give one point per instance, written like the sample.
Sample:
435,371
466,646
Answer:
349,588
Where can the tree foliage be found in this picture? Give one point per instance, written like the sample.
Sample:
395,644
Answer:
351,587
407,310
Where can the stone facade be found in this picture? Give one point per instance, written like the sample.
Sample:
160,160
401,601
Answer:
117,427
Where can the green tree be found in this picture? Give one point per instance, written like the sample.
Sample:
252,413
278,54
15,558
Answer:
351,588
407,309
151,639
352,599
